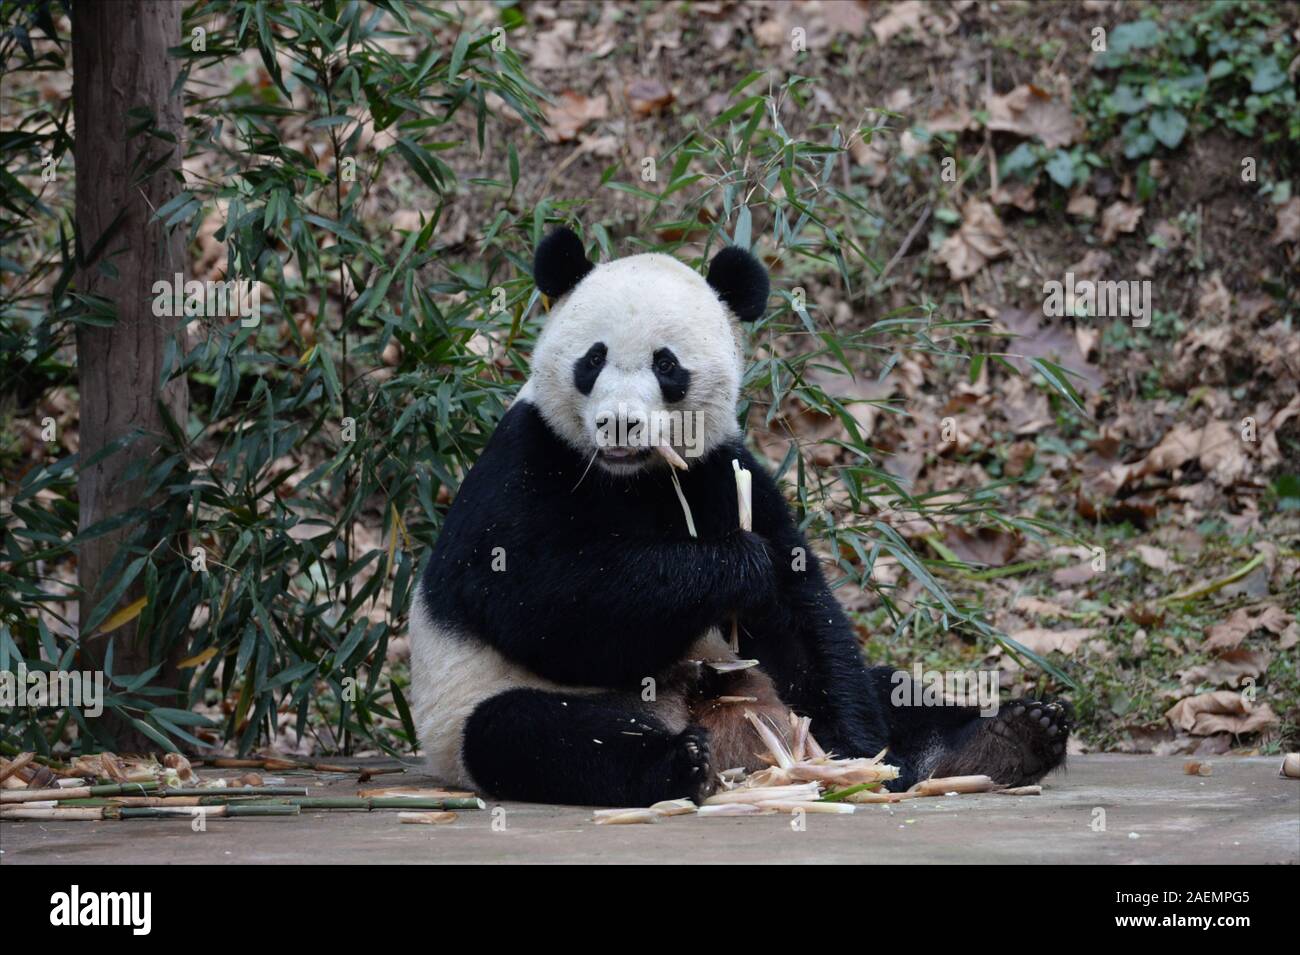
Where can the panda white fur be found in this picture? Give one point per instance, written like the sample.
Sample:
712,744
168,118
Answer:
565,581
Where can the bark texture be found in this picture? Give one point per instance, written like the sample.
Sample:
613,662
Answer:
121,65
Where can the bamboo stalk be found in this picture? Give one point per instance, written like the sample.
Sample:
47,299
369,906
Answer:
412,792
77,792
806,806
237,791
84,813
426,818
623,817
17,764
233,810
953,784
369,805
733,809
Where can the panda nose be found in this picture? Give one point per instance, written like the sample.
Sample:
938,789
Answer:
621,424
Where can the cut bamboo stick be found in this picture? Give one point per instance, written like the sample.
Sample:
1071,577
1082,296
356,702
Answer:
867,796
236,791
77,792
733,809
744,496
953,784
85,813
624,817
412,792
806,806
426,818
404,803
92,813
17,764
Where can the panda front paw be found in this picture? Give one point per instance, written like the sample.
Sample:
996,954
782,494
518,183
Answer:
692,767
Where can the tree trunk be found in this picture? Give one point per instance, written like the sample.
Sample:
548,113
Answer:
120,64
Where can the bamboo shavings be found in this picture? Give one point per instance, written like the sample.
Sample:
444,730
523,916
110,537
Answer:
677,464
733,809
730,666
798,805
1194,767
673,807
808,762
1021,791
798,793
626,817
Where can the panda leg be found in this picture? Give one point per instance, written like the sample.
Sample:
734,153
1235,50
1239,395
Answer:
1019,744
539,746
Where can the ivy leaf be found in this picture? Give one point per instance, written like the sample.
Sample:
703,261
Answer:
1061,169
1266,75
1126,100
1168,126
1133,36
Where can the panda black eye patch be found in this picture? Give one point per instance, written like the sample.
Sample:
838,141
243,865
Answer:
587,368
674,380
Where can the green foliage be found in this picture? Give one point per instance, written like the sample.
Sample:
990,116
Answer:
1223,65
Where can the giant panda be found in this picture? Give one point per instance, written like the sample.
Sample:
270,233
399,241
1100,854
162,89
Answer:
559,623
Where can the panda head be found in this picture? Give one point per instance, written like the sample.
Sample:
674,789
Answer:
641,351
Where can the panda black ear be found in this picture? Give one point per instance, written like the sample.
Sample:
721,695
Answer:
560,263
741,282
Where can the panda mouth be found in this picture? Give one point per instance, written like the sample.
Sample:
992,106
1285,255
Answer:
624,456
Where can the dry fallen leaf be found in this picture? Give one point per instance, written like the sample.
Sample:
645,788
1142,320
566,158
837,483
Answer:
1032,111
648,96
1223,711
1227,669
1244,621
1082,205
1217,446
1037,336
1119,217
571,112
1041,640
897,18
986,545
1156,558
980,238
1288,222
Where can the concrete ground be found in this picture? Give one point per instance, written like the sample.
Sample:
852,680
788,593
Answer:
1153,813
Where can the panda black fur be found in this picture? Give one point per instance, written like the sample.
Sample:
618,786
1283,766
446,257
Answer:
565,576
